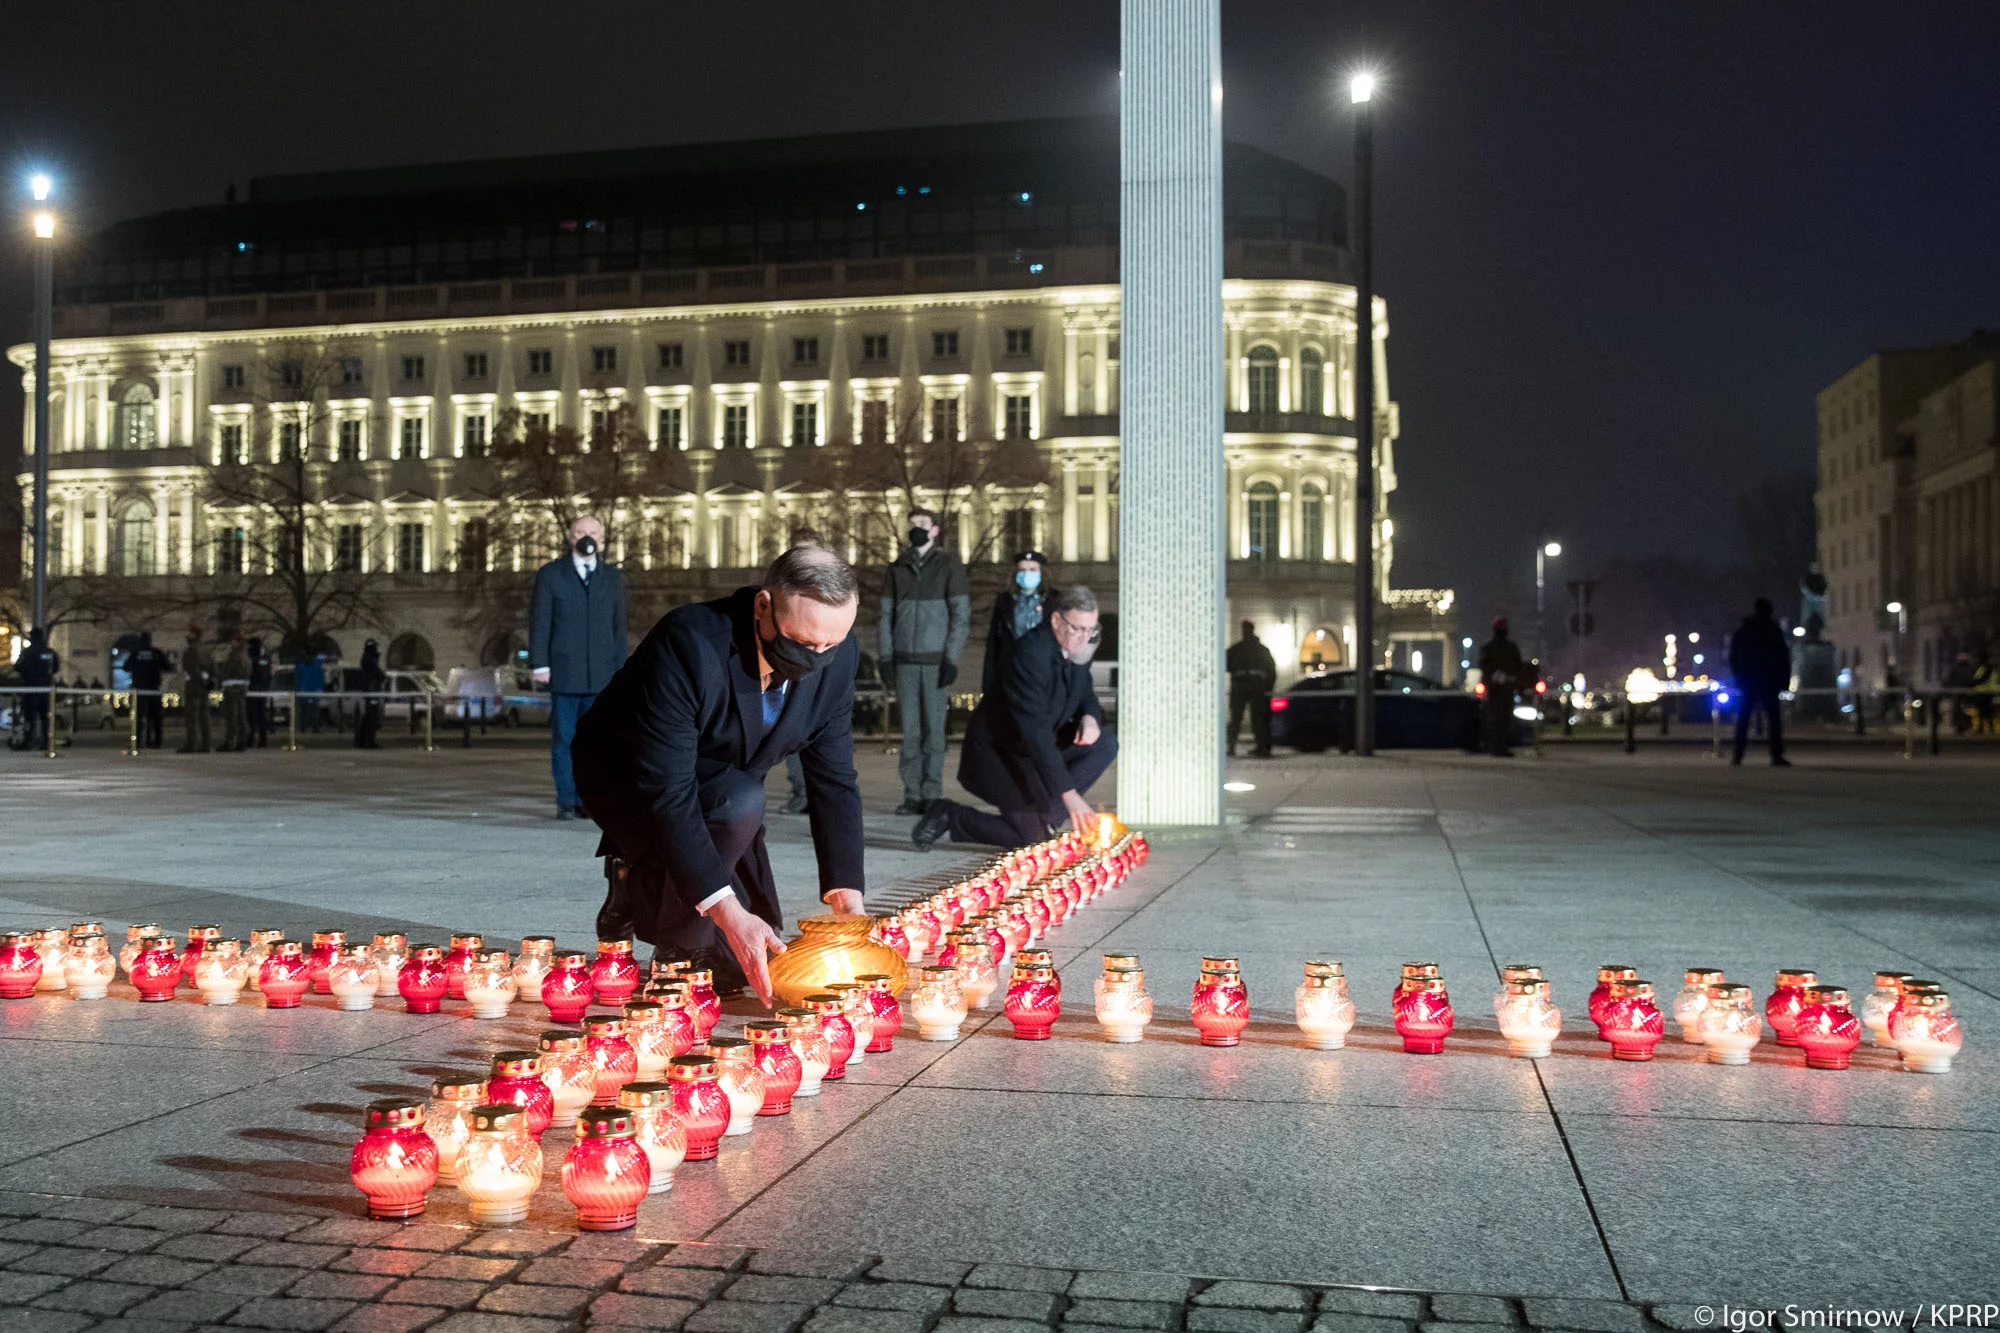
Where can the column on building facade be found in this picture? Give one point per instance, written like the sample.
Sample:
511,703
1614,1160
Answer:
1100,509
569,378
100,558
187,525
161,522
103,414
702,462
1101,381
1171,594
1232,368
839,398
66,433
1070,404
1068,508
163,407
978,406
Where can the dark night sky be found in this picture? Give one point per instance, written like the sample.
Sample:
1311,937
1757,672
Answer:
1622,245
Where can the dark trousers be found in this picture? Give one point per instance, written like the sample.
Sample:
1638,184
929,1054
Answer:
1258,702
35,713
152,721
564,711
1020,826
1774,726
260,721
367,723
1498,716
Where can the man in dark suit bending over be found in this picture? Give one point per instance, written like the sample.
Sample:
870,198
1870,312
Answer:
1037,742
670,762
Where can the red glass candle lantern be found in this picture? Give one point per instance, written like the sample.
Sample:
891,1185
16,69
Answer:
1034,1001
1786,999
396,1163
566,989
771,1047
1633,1023
1036,908
612,1059
614,977
421,983
883,1010
20,965
700,1104
1827,1029
676,1000
1600,994
1422,1013
197,942
517,1081
704,1005
1221,1005
890,934
1012,922
458,959
156,970
832,1011
283,976
326,947
606,1173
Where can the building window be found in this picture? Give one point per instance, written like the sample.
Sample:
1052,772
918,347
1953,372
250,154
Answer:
1312,382
133,554
288,442
1312,523
670,429
474,436
735,425
350,440
472,541
409,548
1020,416
1263,521
736,352
535,423
232,377
1017,531
291,374
805,351
347,549
604,360
805,424
410,438
944,418
541,361
413,368
670,356
875,421
233,450
1263,379
350,370
1020,342
137,424
944,344
475,365
600,428
229,551
874,347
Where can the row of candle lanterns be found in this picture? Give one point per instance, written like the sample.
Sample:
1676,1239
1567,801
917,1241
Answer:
645,1090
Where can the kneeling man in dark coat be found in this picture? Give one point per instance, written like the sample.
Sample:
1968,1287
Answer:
1036,742
670,762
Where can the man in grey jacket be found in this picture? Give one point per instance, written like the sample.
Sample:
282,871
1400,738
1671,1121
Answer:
926,619
576,640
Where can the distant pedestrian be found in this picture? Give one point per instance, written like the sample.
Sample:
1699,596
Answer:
1958,682
260,685
926,619
38,665
576,643
1252,674
373,678
1760,661
235,677
147,666
1016,611
308,680
1985,684
1501,671
195,685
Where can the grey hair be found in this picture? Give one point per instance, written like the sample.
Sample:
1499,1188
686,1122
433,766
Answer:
815,572
1076,597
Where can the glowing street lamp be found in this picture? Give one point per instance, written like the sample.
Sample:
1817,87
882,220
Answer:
41,186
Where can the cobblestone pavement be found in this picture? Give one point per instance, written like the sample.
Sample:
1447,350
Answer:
70,1265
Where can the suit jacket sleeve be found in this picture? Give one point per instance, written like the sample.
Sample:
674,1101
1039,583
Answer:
541,613
664,754
997,635
833,792
1030,691
958,607
1091,706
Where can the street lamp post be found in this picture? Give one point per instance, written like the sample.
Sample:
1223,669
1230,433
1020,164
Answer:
45,233
1544,553
1362,91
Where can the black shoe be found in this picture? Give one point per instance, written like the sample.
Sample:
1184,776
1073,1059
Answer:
614,919
910,807
1736,762
564,812
1780,761
797,805
934,825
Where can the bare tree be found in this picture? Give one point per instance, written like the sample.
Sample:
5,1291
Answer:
289,543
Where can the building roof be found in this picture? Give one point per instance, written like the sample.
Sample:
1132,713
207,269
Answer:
989,188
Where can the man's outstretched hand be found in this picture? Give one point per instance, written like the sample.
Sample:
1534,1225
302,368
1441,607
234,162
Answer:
750,938
1081,817
846,902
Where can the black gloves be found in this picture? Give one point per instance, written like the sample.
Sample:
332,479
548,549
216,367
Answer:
947,673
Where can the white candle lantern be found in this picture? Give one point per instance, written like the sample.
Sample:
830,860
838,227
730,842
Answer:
490,984
221,972
354,978
1529,1019
1730,1026
1322,1006
1123,1006
88,966
938,1004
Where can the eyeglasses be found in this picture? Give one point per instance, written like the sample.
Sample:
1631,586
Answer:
1095,634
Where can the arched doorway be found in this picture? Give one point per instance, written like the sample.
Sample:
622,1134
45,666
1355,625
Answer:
410,652
499,650
1320,650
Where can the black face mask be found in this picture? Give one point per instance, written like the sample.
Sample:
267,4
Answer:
586,546
918,536
790,660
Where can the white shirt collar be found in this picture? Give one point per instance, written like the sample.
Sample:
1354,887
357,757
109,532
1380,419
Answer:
584,565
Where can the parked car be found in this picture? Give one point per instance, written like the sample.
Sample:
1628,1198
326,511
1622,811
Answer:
508,695
1411,712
